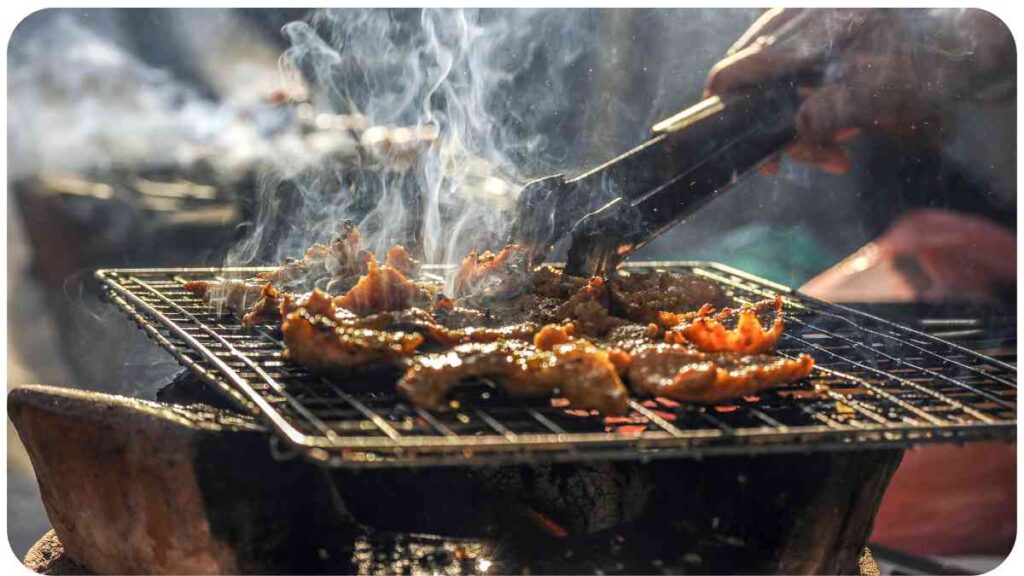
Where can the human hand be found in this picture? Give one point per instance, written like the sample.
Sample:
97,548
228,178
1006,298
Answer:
894,70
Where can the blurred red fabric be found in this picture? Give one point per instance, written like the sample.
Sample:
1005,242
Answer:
926,256
943,499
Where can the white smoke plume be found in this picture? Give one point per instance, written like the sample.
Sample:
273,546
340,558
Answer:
77,102
81,103
479,83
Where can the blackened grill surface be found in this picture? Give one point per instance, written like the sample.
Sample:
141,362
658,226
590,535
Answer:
876,384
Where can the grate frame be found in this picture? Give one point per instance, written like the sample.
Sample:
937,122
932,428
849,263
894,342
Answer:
877,384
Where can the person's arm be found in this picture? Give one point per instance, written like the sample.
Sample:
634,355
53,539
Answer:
897,70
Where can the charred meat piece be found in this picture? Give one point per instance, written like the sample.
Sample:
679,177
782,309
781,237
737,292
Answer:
266,310
641,297
502,275
748,337
336,265
687,375
588,309
543,304
631,336
550,282
522,308
318,343
422,322
383,288
408,320
232,295
523,331
449,314
579,371
400,260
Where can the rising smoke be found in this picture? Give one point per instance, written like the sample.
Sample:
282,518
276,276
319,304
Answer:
78,102
486,86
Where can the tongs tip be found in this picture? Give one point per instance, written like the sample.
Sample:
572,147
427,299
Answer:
538,217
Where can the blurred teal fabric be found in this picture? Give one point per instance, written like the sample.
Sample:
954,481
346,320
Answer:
787,255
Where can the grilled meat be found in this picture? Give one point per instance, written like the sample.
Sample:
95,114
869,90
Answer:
383,288
534,333
335,266
400,260
424,323
500,275
266,310
316,339
451,315
523,331
749,337
688,375
589,309
642,297
581,372
232,295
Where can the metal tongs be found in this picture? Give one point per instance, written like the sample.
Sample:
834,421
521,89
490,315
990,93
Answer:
691,157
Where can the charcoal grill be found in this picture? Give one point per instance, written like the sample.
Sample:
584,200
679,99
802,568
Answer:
876,384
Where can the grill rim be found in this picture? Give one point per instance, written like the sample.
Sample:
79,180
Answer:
669,441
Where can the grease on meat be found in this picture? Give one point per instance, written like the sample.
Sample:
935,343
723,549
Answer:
689,375
579,371
315,338
532,332
381,289
233,295
709,334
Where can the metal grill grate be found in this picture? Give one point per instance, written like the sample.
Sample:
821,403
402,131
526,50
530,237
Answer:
876,384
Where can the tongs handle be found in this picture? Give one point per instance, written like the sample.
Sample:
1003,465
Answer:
693,156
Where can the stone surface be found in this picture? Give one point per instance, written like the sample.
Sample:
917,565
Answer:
140,487
136,487
47,557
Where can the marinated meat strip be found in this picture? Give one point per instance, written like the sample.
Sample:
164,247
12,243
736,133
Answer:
400,260
523,331
502,275
315,339
451,315
588,309
640,297
748,337
422,322
534,333
266,310
383,288
336,265
581,372
232,295
409,320
688,375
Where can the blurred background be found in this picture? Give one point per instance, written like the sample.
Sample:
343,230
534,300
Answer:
203,137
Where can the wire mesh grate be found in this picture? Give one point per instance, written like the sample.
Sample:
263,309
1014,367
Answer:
876,384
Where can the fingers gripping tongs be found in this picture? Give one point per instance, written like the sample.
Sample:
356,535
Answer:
617,207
